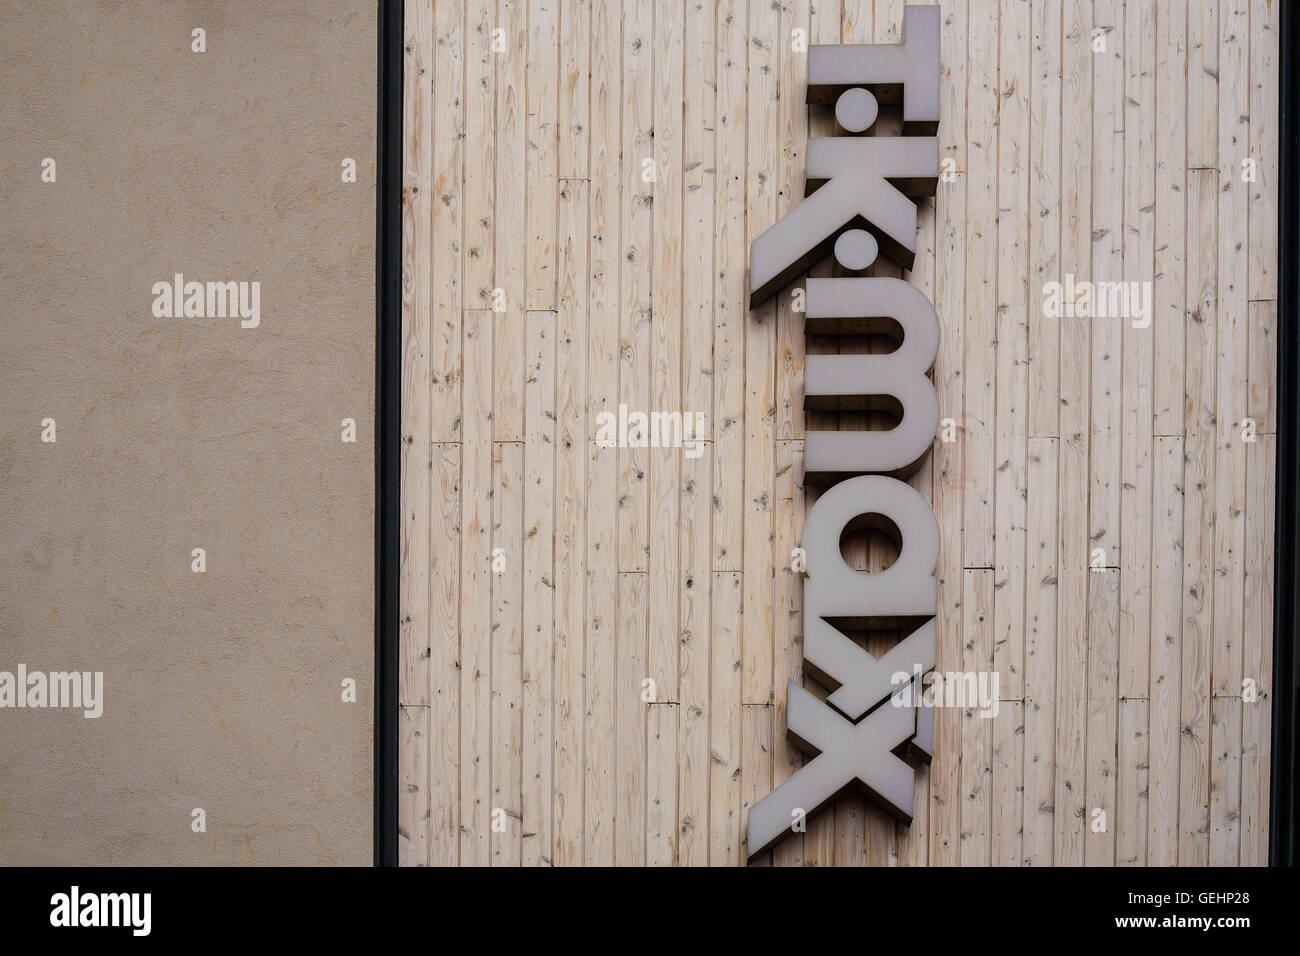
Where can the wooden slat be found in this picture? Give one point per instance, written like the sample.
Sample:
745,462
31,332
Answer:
911,845
413,786
1225,780
755,765
479,157
511,259
1169,294
538,637
634,259
699,183
1231,395
574,126
630,662
603,688
414,809
979,404
1105,431
762,167
1102,727
950,284
414,806
1107,234
1140,112
661,784
606,213
1263,147
790,347
413,616
510,256
855,22
601,555
444,557
725,818
506,737
447,196
1071,657
976,730
1007,783
476,593
1198,520
1166,651
1040,653
543,147
664,560
1072,587
788,618
1131,799
1261,401
1044,214
570,528
730,314
696,535
696,646
628,750
1231,402
1256,725
508,368
1141,109
1011,423
851,830
1203,85
1136,502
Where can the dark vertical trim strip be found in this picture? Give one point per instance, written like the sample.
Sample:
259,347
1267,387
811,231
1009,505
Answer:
388,421
1284,849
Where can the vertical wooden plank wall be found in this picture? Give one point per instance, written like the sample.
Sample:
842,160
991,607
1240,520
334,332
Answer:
596,641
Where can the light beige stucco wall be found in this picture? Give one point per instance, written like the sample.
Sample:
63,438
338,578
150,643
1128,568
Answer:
223,689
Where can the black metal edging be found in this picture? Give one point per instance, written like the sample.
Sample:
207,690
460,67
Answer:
1284,835
388,420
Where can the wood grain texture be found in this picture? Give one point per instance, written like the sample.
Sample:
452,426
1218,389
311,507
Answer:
1106,516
